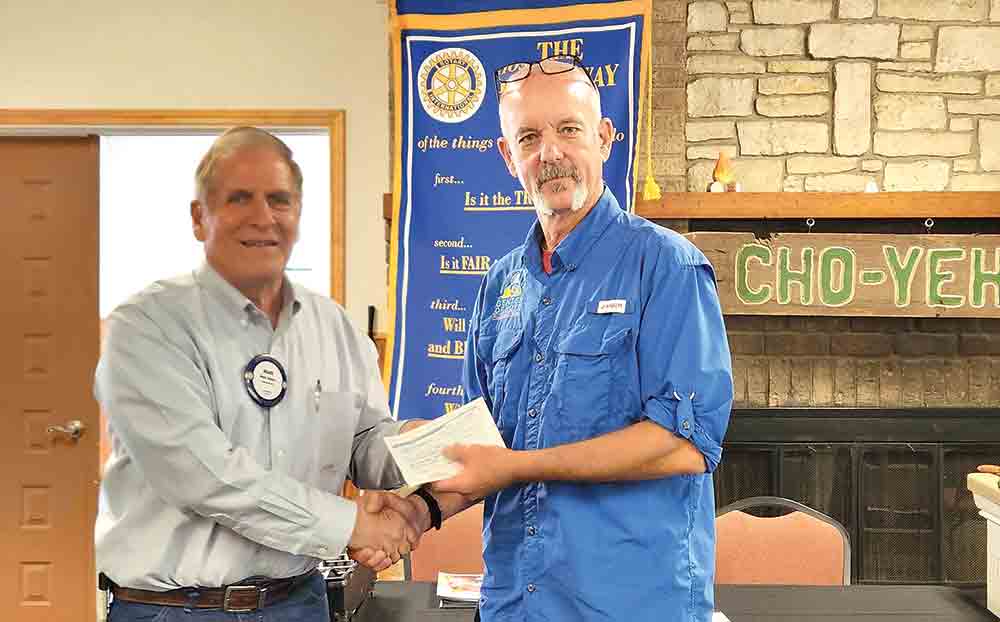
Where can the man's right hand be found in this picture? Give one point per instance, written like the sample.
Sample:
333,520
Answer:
386,528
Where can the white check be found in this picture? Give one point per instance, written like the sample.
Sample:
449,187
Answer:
418,452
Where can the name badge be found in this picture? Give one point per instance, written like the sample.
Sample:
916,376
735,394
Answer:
611,306
265,380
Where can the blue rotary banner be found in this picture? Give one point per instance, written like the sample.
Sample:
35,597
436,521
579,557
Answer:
456,207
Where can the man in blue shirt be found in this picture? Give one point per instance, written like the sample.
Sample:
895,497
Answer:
600,348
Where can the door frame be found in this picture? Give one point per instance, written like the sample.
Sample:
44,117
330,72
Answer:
74,121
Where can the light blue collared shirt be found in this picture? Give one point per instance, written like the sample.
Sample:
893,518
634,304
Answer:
205,487
627,327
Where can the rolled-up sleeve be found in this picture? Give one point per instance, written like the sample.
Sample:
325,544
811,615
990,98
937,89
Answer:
685,369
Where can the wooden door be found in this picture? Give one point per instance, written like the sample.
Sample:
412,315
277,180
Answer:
49,337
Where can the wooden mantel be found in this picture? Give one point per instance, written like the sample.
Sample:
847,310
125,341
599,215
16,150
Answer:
839,205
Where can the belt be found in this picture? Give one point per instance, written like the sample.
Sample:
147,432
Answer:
249,595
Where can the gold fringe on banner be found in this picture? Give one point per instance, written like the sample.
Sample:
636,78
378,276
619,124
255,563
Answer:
650,189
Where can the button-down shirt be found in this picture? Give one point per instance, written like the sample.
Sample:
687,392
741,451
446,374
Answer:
203,485
626,328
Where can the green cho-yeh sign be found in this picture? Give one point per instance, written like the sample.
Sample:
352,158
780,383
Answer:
856,274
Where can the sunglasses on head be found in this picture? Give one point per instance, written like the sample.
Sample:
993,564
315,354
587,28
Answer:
552,65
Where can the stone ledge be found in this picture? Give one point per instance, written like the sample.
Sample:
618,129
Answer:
783,137
963,48
880,41
962,85
792,11
935,10
918,143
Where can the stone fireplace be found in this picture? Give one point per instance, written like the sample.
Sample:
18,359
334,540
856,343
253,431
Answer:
873,420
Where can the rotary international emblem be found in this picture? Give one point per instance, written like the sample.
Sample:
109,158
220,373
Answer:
452,83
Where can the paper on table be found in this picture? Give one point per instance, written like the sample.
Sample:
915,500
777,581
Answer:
418,452
461,587
718,616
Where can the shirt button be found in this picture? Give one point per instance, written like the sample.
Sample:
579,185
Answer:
686,425
546,301
531,531
531,587
532,413
539,358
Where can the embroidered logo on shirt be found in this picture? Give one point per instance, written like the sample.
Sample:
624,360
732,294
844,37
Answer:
611,306
511,296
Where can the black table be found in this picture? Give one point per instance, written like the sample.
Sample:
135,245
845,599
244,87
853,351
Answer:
399,601
855,603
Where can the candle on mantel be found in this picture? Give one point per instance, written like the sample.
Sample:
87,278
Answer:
723,176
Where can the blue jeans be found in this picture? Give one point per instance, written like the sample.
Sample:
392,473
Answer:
306,604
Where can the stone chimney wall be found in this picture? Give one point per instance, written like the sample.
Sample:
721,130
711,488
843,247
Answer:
829,95
825,95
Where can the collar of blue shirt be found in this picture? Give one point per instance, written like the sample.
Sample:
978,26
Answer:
572,250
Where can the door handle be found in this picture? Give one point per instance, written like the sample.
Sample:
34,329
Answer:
73,429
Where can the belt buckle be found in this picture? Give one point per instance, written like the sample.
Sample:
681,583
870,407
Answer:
233,589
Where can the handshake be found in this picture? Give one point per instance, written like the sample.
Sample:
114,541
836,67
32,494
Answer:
389,526
386,528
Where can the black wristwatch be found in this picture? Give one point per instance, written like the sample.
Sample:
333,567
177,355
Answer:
432,506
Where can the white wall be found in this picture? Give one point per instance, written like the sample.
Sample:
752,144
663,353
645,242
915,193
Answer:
130,262
221,54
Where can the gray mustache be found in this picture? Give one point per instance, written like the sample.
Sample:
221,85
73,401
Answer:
554,171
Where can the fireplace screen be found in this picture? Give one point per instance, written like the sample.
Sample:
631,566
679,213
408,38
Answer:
907,510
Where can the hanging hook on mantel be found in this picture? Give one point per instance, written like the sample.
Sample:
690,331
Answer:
810,222
929,224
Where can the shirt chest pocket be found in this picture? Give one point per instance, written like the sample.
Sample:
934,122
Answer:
504,345
323,453
591,366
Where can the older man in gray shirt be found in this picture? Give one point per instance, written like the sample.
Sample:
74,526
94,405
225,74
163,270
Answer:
237,403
